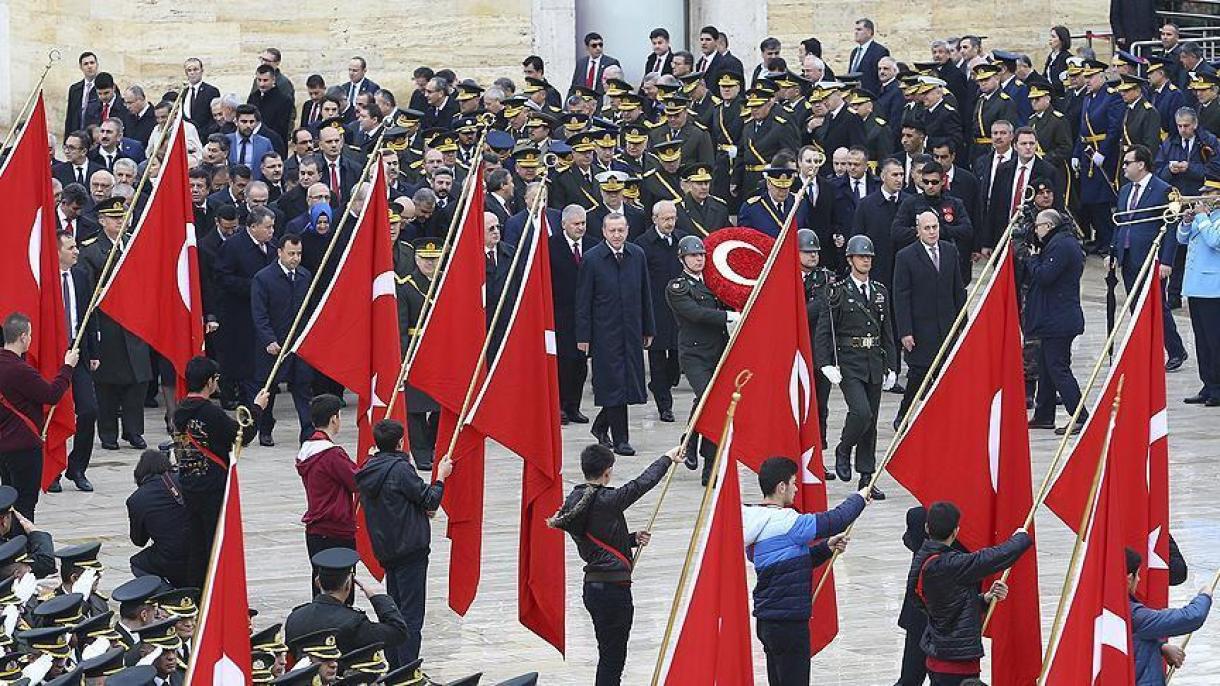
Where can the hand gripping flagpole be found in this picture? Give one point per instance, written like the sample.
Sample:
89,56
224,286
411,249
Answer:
19,119
743,378
1186,641
1057,625
688,435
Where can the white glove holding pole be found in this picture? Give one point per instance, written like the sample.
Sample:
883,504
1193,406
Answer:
832,374
1076,164
888,382
1098,159
732,319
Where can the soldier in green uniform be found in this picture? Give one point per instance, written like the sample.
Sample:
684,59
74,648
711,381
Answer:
680,125
702,102
700,212
575,185
662,182
423,413
1051,128
1206,89
878,136
635,157
855,346
816,279
762,135
703,323
992,105
726,131
1141,121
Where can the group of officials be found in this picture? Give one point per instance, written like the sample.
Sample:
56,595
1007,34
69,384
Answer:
900,176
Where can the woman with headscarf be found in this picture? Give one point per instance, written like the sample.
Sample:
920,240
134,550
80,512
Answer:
316,236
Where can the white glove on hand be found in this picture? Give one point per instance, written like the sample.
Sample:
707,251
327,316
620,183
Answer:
732,318
731,150
37,670
84,585
1098,159
1076,164
832,374
156,653
25,587
888,382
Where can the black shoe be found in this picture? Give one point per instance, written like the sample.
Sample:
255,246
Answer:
1174,363
691,460
423,467
843,464
897,389
55,486
667,415
137,442
110,445
1212,402
1075,429
266,440
1196,399
1041,423
563,419
603,437
82,483
828,475
877,493
624,449
577,418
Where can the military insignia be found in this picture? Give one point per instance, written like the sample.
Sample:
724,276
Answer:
677,286
946,213
330,641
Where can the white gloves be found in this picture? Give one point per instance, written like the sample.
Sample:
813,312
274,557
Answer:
832,374
1098,159
888,382
731,150
1076,164
732,318
84,585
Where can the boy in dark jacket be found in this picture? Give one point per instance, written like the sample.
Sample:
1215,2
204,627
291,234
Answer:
945,583
780,543
593,516
397,504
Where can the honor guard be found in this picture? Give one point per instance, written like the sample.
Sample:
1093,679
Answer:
423,415
700,212
575,185
663,182
817,280
992,105
768,210
763,134
855,345
1141,121
329,610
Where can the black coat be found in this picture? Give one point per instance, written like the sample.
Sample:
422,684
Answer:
1052,304
496,276
845,198
209,250
965,187
1000,209
955,225
926,300
396,504
66,173
614,315
237,261
663,266
84,285
349,173
821,215
123,357
700,219
200,113
353,629
156,514
274,303
275,108
868,65
72,118
844,130
142,126
564,271
637,221
873,218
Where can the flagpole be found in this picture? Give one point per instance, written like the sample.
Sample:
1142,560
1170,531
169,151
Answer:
52,57
1186,641
374,158
1107,348
464,199
698,412
743,377
1057,625
171,124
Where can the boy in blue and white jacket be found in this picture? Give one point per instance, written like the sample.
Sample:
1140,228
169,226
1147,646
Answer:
1150,629
780,543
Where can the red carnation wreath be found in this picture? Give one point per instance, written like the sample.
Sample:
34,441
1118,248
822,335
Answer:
735,259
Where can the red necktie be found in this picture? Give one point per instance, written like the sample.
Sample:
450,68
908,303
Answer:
105,111
1018,191
334,176
592,72
70,228
576,252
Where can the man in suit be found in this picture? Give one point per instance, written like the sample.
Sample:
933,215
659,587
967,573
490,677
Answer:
660,245
854,186
106,105
77,291
81,93
197,107
142,120
589,69
311,109
614,324
987,166
441,108
69,212
113,145
611,185
768,50
274,106
567,250
239,259
839,128
955,226
1132,20
499,197
357,81
874,216
277,292
246,147
339,172
1202,286
961,184
928,293
77,167
124,368
1012,178
661,59
209,250
865,55
1131,243
700,212
498,258
232,194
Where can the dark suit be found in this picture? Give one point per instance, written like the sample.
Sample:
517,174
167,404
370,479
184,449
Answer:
351,90
83,394
156,514
572,363
73,119
496,278
349,173
1054,317
237,261
512,230
663,266
866,65
274,302
503,212
1000,210
927,298
965,187
1131,244
66,173
311,114
637,221
1133,20
198,106
142,126
128,148
873,217
581,72
657,63
439,117
846,199
817,211
277,141
96,111
955,225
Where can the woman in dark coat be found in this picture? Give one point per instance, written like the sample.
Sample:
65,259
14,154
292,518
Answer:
156,514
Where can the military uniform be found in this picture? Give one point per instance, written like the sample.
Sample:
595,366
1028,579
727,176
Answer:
696,142
988,109
762,213
1054,135
758,143
574,187
1101,118
702,218
726,130
659,184
1141,126
423,413
816,283
878,139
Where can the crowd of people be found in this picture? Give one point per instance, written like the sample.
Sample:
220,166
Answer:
899,175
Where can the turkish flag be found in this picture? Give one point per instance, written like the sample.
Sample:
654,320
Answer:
518,407
1139,449
1094,646
154,289
29,272
713,644
778,414
445,360
979,400
360,308
222,642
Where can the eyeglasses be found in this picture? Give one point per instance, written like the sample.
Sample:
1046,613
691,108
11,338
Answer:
1043,225
1130,161
932,182
595,45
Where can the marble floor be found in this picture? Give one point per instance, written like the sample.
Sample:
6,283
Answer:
489,639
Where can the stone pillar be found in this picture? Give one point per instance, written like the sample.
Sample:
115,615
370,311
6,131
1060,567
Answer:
744,22
554,39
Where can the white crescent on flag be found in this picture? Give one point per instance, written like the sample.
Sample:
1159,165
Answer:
35,248
184,267
227,673
383,284
720,258
993,438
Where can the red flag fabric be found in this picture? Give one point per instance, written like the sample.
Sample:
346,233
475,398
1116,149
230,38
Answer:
518,407
222,642
713,637
772,341
1139,449
360,307
451,342
1094,646
29,277
156,297
979,400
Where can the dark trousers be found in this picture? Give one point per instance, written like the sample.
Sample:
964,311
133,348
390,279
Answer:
407,584
914,661
613,419
22,469
85,399
1055,377
786,645
860,428
202,513
1173,341
663,376
302,393
1173,289
324,384
1098,216
915,377
1205,321
699,375
572,374
611,608
315,544
421,432
821,386
120,400
949,679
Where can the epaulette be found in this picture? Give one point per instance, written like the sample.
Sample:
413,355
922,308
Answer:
1148,105
1173,87
651,124
1020,82
400,280
415,164
88,241
753,199
1110,90
781,120
649,173
880,121
699,124
949,107
1058,113
718,199
1004,96
716,100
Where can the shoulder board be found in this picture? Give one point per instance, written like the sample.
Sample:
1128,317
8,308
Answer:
400,280
650,172
1004,96
949,107
1058,113
679,285
781,120
409,279
679,201
416,164
880,121
699,124
89,241
1019,82
716,100
1110,90
652,124
753,199
1147,105
718,199
1173,87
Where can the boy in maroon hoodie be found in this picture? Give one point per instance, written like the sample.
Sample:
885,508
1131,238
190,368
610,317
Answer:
330,482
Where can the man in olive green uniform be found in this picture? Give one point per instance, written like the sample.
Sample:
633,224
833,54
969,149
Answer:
679,125
1051,127
763,134
662,181
423,413
991,106
855,346
726,131
700,212
817,280
1141,121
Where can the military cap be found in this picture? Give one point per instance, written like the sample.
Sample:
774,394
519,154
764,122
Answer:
780,177
926,68
320,645
179,602
12,662
1202,82
611,181
807,240
927,83
97,626
112,207
7,597
604,138
1009,58
52,640
1212,182
1130,82
138,590
560,148
1038,88
530,679
757,98
357,678
8,496
540,119
766,85
1074,65
406,675
664,90
467,90
261,664
851,79
859,96
823,89
69,678
697,173
785,79
139,675
985,70
668,151
513,105
426,247
60,610
467,123
13,550
1040,184
581,142
500,140
691,81
104,665
859,245
472,680
631,187
585,92
534,84
331,123
630,101
635,133
445,142
691,245
1158,62
395,138
1091,67
1124,57
728,79
528,157
617,87
162,633
574,121
269,639
370,659
676,104
408,118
